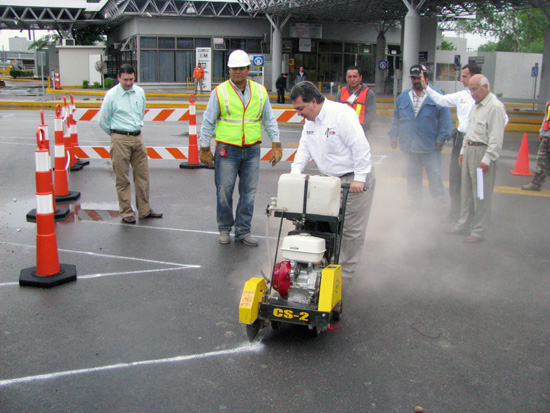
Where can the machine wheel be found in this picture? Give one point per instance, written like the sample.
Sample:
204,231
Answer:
253,329
337,311
314,331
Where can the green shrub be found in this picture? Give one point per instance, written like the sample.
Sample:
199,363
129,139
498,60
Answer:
109,83
97,85
85,84
15,73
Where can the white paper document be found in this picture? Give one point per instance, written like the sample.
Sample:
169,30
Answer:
480,183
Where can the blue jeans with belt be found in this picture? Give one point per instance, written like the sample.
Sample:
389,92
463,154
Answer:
232,161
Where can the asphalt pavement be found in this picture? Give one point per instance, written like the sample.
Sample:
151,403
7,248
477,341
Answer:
151,324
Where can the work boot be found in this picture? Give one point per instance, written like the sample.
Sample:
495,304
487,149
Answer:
531,187
249,241
534,185
224,237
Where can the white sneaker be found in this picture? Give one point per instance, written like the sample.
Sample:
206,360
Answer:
249,241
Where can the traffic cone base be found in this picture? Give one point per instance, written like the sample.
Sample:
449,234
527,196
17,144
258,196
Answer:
71,196
29,277
76,167
187,165
60,214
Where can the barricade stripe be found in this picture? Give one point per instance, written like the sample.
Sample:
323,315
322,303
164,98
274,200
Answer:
176,153
163,115
286,116
88,114
153,154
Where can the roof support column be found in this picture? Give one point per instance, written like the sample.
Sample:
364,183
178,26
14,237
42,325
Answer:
276,47
380,55
411,35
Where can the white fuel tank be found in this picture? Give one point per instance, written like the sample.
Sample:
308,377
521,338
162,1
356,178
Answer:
303,248
323,195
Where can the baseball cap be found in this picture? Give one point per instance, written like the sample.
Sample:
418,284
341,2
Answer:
416,70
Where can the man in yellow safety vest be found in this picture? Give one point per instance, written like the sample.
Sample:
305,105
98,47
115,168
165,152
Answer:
234,112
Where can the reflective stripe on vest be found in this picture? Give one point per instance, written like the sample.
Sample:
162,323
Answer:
360,103
546,125
239,125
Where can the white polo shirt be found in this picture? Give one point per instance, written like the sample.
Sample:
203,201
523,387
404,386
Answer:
337,143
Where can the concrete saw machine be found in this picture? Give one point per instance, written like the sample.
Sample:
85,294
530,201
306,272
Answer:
305,287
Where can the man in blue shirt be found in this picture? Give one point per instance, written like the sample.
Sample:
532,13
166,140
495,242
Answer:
121,117
421,127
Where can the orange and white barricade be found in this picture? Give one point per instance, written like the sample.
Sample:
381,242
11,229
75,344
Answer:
48,271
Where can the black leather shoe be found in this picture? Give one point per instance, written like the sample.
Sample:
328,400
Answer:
152,214
129,219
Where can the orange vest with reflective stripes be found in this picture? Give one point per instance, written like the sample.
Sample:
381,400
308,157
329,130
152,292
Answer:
546,124
359,106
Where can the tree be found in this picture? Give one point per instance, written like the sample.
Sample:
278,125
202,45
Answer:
85,36
515,30
445,45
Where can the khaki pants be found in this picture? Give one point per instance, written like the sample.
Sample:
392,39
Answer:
355,224
475,212
198,82
126,151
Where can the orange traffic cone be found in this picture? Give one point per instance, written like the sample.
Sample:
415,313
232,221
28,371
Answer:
522,162
193,154
48,272
78,164
60,213
61,191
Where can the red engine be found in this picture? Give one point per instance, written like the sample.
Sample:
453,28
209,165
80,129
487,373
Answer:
281,277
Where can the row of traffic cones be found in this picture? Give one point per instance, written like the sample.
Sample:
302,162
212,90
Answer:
48,271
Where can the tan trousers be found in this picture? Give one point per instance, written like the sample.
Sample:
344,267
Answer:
126,151
355,224
475,213
198,83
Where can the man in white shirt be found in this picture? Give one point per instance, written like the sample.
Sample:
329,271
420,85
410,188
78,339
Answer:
334,138
463,102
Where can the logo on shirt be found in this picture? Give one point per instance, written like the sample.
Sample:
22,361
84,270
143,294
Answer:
329,132
310,132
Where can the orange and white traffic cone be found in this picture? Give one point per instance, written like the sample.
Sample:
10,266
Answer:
78,164
67,140
61,181
57,82
522,161
48,271
60,214
193,154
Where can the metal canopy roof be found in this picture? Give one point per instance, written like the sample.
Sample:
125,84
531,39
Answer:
115,11
377,10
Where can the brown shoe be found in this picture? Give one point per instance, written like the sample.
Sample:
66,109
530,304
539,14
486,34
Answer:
152,214
129,219
531,187
472,239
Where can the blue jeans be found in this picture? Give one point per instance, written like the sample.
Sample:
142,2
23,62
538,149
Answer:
431,161
245,163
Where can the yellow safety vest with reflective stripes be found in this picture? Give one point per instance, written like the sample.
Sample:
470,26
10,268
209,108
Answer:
239,125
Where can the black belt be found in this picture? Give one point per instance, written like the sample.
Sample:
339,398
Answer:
122,132
470,143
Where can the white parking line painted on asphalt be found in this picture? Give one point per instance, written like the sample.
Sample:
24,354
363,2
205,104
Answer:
246,348
178,265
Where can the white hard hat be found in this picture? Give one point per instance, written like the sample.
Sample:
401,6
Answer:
238,58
